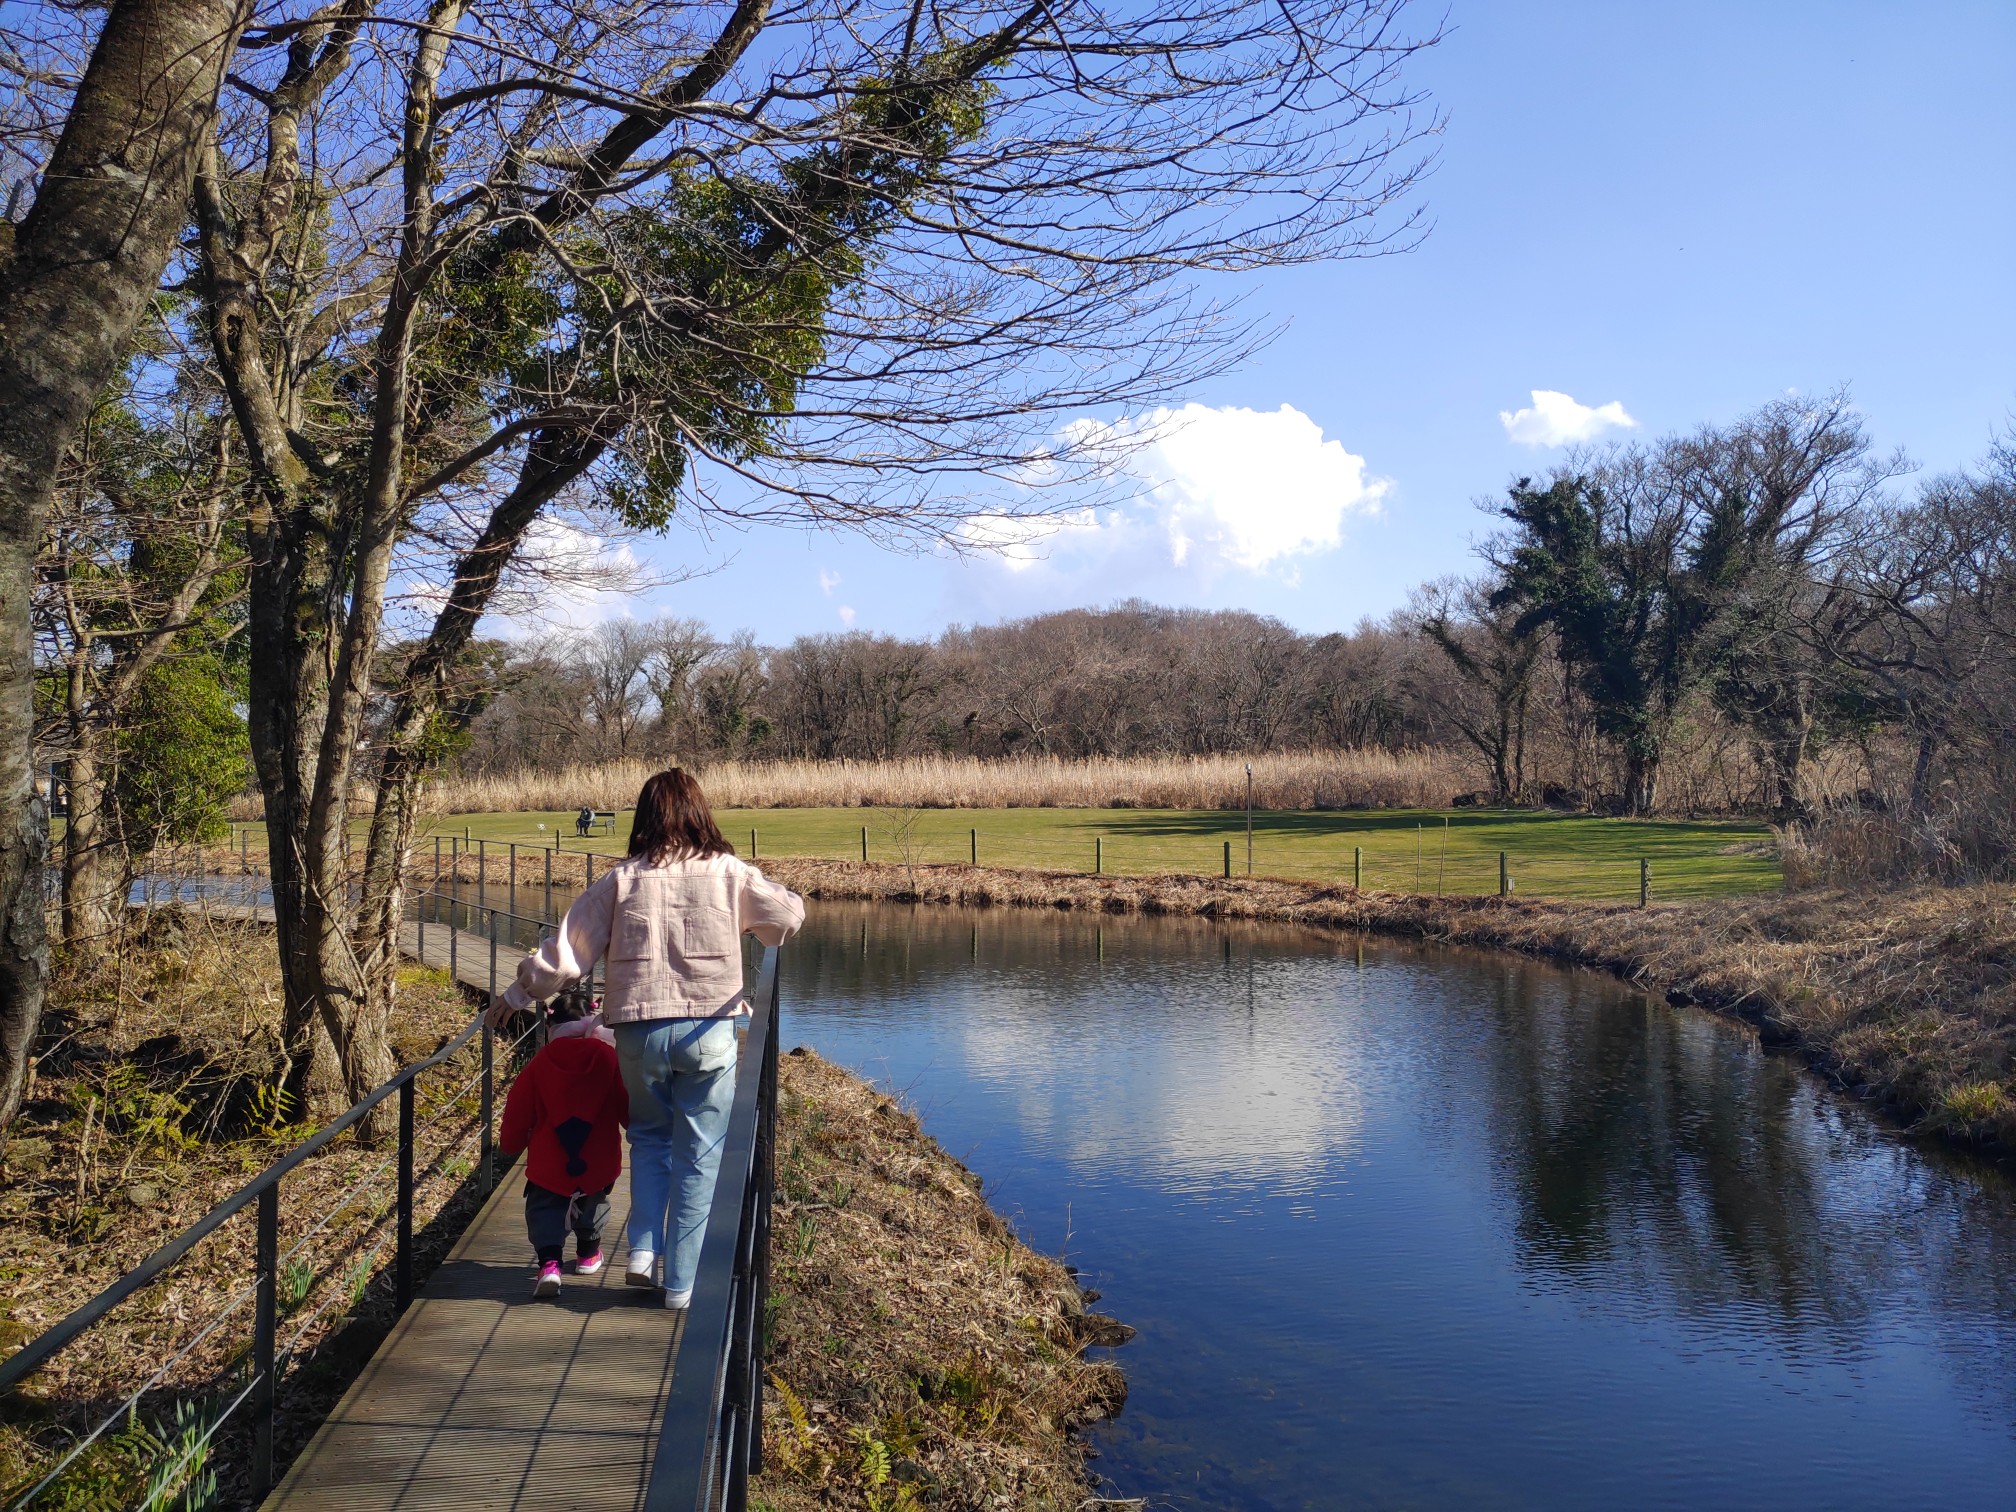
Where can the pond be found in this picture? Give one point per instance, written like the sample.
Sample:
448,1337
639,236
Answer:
1403,1227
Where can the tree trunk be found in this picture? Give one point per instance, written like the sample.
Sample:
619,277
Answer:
87,918
84,265
551,465
1641,781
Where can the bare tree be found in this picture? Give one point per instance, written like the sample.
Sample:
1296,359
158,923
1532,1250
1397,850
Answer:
79,272
1496,657
135,568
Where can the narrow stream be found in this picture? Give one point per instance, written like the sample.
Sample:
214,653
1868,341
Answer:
1413,1228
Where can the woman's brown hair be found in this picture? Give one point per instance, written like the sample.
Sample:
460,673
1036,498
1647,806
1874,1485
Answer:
673,819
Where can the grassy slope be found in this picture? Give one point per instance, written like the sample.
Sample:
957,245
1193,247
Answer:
922,1355
1550,855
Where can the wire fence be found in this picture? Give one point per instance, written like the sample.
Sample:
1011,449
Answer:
218,1372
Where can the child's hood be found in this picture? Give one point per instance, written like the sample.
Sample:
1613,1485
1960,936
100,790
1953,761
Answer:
581,1056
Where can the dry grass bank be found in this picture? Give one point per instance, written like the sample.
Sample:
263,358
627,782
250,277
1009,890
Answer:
1299,780
921,1355
151,1102
1908,998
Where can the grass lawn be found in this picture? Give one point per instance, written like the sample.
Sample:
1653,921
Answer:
1405,850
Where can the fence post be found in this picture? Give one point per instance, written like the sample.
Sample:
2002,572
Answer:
1357,868
1098,854
864,842
1504,876
420,926
512,892
1644,882
973,847
482,871
454,934
549,885
1228,858
263,1329
752,842
589,857
402,1281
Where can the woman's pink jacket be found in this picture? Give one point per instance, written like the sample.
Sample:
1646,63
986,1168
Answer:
672,934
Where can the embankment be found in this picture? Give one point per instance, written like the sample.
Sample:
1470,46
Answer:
921,1355
1907,998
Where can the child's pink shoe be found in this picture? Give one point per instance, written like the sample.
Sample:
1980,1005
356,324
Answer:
548,1284
588,1264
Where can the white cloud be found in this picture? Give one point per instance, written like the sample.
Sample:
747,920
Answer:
828,581
1212,489
565,576
847,614
1555,419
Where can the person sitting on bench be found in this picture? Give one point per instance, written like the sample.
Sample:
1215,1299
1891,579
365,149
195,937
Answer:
584,821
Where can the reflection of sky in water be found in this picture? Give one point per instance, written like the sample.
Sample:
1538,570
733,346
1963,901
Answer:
1415,1229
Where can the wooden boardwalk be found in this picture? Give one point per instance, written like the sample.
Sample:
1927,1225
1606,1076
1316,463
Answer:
483,1400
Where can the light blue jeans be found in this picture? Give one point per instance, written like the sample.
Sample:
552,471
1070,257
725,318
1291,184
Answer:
680,1074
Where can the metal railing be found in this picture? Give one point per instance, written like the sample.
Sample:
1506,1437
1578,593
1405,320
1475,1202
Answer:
249,1381
710,1438
710,1441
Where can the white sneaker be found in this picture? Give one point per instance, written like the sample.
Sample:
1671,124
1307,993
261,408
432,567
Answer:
679,1300
642,1269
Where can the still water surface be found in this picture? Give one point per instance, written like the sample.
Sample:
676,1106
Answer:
1411,1228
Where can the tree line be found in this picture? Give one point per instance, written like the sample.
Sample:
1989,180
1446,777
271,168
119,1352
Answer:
1771,587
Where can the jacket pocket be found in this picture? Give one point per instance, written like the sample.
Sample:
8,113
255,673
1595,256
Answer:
630,933
708,933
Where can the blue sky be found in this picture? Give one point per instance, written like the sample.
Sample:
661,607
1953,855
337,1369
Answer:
1679,210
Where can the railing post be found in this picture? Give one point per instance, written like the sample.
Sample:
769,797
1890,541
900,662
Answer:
752,842
1098,854
454,936
1228,858
549,885
485,1176
1357,868
511,890
589,857
1644,882
1504,876
864,842
402,1276
437,861
973,846
263,1331
482,871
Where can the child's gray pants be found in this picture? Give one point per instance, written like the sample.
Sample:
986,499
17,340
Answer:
549,1215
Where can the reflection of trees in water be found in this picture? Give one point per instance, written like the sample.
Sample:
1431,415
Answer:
1658,1161
1654,1161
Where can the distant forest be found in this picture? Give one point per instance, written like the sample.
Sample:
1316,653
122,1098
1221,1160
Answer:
1768,614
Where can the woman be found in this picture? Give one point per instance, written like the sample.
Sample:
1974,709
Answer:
670,918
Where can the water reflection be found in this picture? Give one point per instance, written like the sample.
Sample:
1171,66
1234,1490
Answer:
1416,1228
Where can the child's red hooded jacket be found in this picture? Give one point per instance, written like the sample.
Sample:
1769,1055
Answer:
566,1106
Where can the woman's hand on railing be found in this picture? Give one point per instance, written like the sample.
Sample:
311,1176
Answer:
499,1013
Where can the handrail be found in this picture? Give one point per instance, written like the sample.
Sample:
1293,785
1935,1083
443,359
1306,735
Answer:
33,1355
710,1439
264,1189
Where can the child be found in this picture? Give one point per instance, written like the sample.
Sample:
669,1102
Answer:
565,1107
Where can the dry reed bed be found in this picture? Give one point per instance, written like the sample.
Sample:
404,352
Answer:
1291,780
922,1355
1907,998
